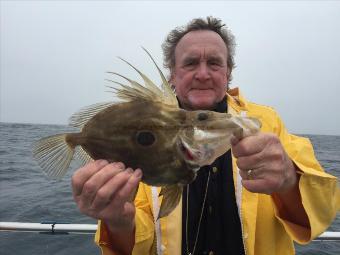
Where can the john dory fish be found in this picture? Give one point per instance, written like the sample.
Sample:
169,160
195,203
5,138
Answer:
146,129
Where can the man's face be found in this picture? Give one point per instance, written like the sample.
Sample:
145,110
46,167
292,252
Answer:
200,72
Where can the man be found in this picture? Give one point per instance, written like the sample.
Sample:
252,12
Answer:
268,191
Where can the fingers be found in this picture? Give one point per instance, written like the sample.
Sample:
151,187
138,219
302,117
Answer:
88,180
263,163
128,191
257,186
102,190
248,174
265,186
93,185
116,190
120,209
84,173
249,145
269,180
254,161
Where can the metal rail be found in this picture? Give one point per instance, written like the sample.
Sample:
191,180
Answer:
49,227
57,228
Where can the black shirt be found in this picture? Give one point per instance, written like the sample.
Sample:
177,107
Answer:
220,229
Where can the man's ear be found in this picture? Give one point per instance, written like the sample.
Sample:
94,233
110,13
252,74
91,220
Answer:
226,77
229,77
171,79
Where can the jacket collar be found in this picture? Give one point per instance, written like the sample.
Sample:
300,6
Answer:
236,100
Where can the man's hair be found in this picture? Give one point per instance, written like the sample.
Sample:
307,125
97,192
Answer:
209,24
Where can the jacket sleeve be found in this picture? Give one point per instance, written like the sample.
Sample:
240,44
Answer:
320,195
144,231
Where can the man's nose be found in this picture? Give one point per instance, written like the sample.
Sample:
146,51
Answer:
202,72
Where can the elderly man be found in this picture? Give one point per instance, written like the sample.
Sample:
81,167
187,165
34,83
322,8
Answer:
255,199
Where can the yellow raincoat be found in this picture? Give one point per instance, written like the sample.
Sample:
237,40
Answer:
263,231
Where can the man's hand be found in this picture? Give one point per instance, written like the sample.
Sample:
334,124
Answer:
105,191
264,165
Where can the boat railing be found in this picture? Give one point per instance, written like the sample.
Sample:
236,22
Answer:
52,227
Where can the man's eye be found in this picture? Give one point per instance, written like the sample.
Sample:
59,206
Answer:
189,64
214,63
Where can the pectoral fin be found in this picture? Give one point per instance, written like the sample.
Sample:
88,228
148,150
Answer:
171,197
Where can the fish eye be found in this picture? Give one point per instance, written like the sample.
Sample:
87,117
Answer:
145,138
202,116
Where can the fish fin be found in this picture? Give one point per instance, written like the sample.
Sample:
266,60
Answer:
148,83
82,155
167,90
131,92
135,90
149,91
80,118
171,197
53,155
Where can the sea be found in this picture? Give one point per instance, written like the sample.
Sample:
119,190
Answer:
26,195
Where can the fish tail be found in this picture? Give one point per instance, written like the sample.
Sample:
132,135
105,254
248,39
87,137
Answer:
53,155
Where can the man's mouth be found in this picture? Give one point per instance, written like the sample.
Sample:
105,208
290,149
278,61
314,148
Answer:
201,88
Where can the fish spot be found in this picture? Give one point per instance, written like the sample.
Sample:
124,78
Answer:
145,138
202,116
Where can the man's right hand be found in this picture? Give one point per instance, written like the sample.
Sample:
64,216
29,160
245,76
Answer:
105,191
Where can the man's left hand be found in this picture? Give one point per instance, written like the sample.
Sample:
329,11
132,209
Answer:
264,165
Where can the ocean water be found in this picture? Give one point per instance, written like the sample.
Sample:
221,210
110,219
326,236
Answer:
27,196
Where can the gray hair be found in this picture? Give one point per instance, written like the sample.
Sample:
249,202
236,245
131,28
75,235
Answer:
210,24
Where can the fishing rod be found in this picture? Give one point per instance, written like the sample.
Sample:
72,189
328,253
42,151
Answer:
62,228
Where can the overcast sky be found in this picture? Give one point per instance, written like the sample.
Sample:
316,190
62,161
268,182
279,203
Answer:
55,54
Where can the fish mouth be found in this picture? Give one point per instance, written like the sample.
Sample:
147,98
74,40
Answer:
191,156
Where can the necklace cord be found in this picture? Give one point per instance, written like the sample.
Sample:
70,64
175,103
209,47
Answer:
199,222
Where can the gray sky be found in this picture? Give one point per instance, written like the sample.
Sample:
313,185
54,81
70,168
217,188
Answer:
54,54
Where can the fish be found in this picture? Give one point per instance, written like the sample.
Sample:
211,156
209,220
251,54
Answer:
145,128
